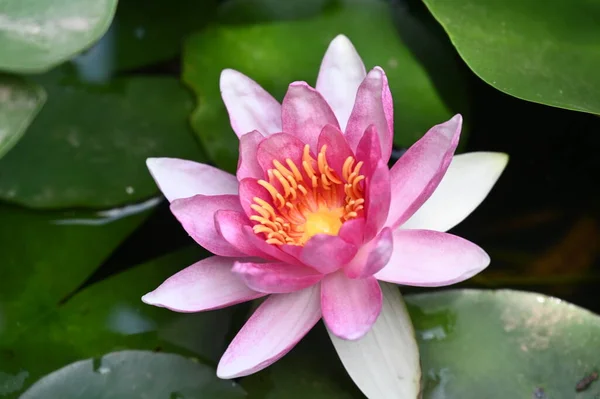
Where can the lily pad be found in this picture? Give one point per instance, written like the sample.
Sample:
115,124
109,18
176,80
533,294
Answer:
47,256
36,35
88,146
20,101
109,316
277,54
135,374
150,36
545,52
504,344
255,11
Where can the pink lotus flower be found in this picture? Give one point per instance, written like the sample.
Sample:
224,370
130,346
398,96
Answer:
314,217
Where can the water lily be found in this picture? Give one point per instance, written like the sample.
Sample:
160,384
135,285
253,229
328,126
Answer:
314,218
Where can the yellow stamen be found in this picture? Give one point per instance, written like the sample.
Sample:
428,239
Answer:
295,212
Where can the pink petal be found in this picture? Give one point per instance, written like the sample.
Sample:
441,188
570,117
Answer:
178,178
369,150
304,112
276,278
418,172
352,231
249,106
373,106
377,201
350,307
427,258
197,216
342,71
230,225
272,331
337,148
248,165
280,147
372,257
326,253
205,285
271,252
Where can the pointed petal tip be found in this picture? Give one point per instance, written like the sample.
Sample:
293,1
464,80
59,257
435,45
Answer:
299,83
226,75
458,119
225,374
150,299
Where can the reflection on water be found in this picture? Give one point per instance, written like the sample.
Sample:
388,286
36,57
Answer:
97,65
436,382
127,321
110,215
12,383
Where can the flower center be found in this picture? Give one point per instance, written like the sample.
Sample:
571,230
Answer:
308,200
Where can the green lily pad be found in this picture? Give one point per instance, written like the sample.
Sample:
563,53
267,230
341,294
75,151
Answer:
36,35
504,344
20,101
545,52
255,11
135,374
277,54
150,36
88,146
109,316
47,256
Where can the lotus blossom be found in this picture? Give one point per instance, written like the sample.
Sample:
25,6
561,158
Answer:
314,218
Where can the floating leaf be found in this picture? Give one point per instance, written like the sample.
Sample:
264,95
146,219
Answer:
20,101
109,316
254,11
135,374
145,32
545,52
279,53
36,35
46,256
503,344
88,146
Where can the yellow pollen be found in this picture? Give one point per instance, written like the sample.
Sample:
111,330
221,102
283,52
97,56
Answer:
307,200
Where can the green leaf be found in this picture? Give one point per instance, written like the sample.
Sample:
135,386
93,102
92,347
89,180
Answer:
545,52
279,53
20,101
88,146
36,35
46,256
110,316
255,11
149,36
135,374
503,344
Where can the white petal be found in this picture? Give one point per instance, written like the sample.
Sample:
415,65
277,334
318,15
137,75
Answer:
342,71
250,107
467,182
180,178
384,364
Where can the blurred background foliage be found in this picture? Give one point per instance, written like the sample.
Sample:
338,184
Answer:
89,89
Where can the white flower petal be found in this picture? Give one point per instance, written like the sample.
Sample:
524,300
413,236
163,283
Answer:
467,182
180,178
384,364
342,71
